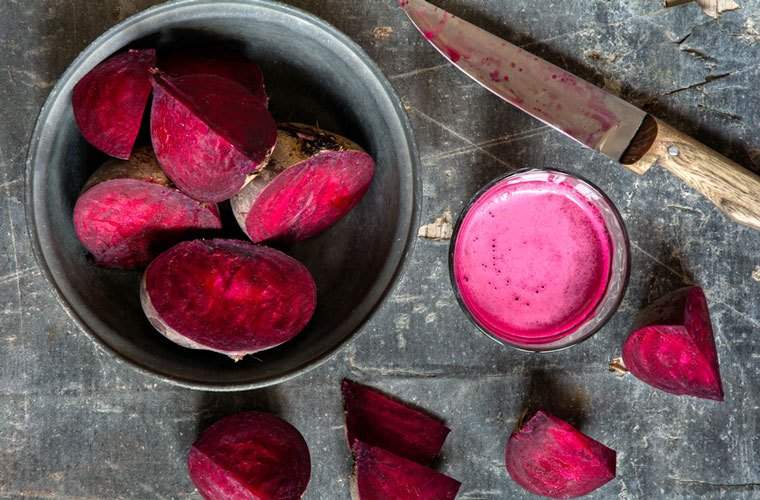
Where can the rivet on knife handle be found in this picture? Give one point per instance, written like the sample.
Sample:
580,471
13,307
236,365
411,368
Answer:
732,188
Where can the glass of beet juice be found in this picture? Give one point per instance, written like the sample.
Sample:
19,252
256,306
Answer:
539,259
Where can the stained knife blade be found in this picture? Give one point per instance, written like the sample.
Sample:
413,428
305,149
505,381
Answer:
575,107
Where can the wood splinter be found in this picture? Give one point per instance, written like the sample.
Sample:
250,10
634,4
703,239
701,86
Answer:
713,8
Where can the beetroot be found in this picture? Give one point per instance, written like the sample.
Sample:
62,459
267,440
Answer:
382,475
232,67
549,457
313,179
129,212
227,296
379,420
110,100
250,455
675,351
209,133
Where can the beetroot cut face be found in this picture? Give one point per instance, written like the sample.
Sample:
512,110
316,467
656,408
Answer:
678,355
379,420
549,457
209,134
227,296
109,101
250,455
129,212
313,180
382,475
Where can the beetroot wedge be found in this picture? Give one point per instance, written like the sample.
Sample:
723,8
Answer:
129,212
109,101
232,67
675,351
313,179
209,134
549,457
382,475
227,296
379,420
250,455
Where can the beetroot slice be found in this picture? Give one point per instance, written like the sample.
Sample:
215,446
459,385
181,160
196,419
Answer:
109,101
677,355
549,457
235,68
209,134
379,420
382,475
313,179
227,296
250,455
129,213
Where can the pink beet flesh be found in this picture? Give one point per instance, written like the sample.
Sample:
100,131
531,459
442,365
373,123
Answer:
228,296
379,420
679,357
235,68
308,198
250,456
549,457
382,475
110,100
125,223
209,134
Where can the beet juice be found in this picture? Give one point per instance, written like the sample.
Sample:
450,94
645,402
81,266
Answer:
540,259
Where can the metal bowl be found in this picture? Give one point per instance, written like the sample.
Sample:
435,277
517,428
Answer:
314,74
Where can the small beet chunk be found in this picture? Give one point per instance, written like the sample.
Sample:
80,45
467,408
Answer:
232,67
382,475
109,101
129,212
248,456
313,179
549,457
227,296
209,134
675,351
379,420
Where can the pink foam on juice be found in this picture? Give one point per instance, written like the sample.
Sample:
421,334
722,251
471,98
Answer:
532,258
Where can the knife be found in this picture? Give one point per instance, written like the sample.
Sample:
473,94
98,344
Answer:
586,113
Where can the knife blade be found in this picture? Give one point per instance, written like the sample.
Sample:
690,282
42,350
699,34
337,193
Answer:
586,113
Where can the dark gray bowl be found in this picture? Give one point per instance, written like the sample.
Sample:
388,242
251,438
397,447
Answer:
314,74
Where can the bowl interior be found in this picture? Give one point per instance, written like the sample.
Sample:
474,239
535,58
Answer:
314,75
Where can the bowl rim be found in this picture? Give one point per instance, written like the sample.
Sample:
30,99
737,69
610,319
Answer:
403,252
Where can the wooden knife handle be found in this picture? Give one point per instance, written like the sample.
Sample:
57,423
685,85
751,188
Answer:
731,187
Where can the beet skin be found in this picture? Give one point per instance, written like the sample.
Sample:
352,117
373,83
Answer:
313,179
379,420
249,456
209,133
129,212
549,457
109,101
227,296
382,475
675,351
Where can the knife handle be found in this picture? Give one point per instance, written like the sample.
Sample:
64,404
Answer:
731,187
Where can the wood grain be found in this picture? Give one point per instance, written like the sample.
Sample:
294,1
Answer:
731,187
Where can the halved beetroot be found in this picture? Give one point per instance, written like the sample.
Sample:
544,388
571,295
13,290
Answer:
675,351
379,420
549,457
250,455
109,101
227,296
230,66
129,212
209,133
382,475
313,179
